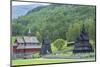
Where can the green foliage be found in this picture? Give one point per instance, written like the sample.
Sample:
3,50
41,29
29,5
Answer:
73,31
90,25
61,21
38,35
93,43
53,48
36,55
59,43
13,39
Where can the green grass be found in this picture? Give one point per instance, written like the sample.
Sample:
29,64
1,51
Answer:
45,61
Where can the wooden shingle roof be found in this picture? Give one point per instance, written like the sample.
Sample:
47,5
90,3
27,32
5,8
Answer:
28,46
27,39
19,40
31,40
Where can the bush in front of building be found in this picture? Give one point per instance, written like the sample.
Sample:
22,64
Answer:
58,44
36,55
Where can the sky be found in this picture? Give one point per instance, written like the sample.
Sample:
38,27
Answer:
14,3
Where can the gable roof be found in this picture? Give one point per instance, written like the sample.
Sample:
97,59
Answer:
19,40
27,39
31,40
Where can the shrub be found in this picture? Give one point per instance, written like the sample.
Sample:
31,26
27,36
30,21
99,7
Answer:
59,44
36,55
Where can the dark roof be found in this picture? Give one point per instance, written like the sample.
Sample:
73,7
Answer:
27,39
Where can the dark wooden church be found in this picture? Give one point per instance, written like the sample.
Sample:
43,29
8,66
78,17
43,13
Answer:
82,44
46,46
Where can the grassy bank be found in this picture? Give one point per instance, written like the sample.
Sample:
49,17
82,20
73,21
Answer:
45,61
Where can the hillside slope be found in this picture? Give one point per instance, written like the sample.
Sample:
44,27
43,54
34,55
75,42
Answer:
58,21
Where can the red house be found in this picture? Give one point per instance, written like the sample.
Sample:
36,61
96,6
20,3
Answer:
24,47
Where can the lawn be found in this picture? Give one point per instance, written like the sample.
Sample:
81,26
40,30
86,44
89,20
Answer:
45,61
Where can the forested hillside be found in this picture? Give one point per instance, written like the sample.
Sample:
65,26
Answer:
58,21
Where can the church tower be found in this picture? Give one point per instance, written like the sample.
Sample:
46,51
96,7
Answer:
29,32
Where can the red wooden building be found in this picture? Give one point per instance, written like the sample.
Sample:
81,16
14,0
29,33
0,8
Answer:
24,47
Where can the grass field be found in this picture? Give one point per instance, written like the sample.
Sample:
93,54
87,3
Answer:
45,61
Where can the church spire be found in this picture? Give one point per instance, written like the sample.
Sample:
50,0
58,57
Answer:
29,32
